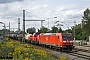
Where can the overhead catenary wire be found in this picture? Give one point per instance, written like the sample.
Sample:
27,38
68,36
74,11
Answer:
33,15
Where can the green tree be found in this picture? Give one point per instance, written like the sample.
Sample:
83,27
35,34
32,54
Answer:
86,20
44,30
86,24
68,31
54,29
78,32
60,30
31,30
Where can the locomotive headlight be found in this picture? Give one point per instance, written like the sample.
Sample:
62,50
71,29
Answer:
64,41
60,46
71,41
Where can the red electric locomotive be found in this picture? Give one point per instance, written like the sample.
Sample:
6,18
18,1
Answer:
62,41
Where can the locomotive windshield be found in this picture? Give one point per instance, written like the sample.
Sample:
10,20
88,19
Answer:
66,36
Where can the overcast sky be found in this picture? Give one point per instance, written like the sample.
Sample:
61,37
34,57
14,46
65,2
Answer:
65,10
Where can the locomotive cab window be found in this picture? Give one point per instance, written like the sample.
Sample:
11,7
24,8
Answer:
69,37
64,37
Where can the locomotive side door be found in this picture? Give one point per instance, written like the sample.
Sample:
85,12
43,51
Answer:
59,40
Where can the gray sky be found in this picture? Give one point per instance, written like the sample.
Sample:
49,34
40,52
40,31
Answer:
65,10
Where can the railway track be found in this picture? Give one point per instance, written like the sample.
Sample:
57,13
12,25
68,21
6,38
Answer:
83,45
86,46
80,55
83,50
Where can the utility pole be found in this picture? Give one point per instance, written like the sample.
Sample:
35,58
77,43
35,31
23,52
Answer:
9,30
23,40
48,23
74,29
18,24
81,23
35,26
41,24
18,28
4,31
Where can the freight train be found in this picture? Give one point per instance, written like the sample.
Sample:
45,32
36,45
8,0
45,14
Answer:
62,41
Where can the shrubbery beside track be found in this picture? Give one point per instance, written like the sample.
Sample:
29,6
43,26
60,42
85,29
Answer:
18,51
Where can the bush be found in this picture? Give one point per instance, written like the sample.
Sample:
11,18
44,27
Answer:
25,52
